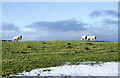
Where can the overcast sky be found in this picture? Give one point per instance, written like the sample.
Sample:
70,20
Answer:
60,20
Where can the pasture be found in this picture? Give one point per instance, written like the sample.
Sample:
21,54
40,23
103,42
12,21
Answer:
28,55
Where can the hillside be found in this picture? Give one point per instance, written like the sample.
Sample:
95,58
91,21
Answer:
27,55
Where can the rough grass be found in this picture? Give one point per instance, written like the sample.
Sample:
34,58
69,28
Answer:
28,55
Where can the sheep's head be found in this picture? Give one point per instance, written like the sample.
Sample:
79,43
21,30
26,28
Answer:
20,37
95,37
85,37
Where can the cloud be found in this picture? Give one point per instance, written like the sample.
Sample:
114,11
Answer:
64,25
9,30
25,29
61,30
98,13
9,27
111,12
104,34
110,22
101,33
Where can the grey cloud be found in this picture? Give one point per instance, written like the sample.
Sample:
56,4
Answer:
111,12
104,34
65,25
98,13
62,30
9,30
9,26
110,22
10,34
101,33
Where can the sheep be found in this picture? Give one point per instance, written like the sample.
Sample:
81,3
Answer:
18,37
91,38
83,37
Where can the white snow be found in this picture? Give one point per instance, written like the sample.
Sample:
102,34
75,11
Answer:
105,69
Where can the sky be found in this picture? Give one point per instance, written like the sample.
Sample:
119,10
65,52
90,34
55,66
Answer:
60,20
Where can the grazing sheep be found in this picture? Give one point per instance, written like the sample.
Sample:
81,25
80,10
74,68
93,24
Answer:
83,37
91,38
17,37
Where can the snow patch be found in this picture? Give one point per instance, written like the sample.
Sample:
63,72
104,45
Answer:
105,69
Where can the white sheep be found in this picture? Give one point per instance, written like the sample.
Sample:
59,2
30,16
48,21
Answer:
83,37
91,38
18,37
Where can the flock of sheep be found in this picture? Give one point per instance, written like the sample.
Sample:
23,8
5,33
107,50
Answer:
84,37
19,37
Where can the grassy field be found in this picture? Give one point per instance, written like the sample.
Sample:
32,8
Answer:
28,55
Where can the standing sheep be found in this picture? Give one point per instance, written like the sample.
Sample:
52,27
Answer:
17,37
83,37
91,38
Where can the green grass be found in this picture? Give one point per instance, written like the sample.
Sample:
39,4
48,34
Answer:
28,55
